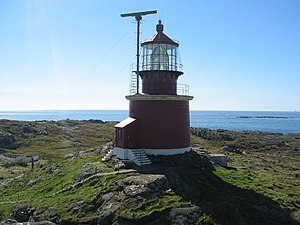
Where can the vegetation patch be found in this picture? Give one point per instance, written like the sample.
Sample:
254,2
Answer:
156,205
260,184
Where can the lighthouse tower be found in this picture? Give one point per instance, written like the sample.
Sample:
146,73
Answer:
158,122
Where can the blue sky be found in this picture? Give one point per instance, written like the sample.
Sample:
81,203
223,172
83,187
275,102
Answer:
66,54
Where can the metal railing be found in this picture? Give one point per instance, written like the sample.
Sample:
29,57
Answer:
183,89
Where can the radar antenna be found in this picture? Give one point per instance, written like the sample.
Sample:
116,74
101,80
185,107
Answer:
138,18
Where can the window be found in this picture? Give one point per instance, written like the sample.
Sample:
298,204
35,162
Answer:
119,134
160,59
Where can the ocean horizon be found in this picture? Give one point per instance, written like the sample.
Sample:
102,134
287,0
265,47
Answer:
269,121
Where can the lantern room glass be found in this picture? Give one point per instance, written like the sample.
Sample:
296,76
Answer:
159,56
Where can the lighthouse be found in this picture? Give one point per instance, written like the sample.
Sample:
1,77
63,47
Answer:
158,122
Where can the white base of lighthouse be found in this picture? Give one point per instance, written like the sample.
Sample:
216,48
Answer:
173,151
139,156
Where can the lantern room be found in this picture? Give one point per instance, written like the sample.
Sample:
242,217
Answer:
160,52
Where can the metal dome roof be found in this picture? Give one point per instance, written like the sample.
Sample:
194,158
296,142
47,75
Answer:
160,37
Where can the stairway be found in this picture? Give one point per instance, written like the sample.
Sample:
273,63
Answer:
133,84
141,158
108,156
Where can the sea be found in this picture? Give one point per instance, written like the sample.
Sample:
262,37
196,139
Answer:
268,121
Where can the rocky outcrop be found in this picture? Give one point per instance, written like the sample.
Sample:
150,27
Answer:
52,169
231,148
184,216
8,141
32,182
22,213
208,134
14,222
172,216
132,191
26,128
145,187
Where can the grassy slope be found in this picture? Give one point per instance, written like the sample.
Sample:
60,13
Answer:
269,166
269,169
62,139
56,139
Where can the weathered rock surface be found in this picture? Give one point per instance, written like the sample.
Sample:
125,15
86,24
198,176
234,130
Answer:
26,128
184,216
52,169
80,176
22,213
8,141
32,182
231,148
14,222
213,134
132,191
138,185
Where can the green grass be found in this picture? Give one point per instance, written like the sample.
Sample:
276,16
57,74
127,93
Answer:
269,167
48,191
156,205
53,140
266,175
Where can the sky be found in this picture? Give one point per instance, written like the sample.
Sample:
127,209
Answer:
67,54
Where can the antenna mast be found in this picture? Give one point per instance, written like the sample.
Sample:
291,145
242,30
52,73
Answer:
138,18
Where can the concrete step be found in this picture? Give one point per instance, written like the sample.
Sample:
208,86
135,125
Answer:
108,156
141,158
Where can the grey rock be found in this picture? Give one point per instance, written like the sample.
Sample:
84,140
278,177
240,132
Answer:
208,134
199,149
95,121
8,221
231,148
144,184
74,210
43,164
277,215
70,156
26,128
45,216
22,213
43,132
42,223
77,145
132,191
184,216
20,177
32,182
80,176
8,141
107,210
52,169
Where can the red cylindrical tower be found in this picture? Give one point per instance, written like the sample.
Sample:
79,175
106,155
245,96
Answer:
160,121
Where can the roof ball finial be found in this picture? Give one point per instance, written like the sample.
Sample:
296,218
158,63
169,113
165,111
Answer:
159,27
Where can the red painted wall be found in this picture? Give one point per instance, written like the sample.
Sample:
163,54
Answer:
159,82
161,124
127,136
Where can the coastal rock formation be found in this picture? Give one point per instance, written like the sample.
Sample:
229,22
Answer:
257,187
26,128
14,222
208,134
231,148
22,213
146,187
132,191
8,141
173,216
